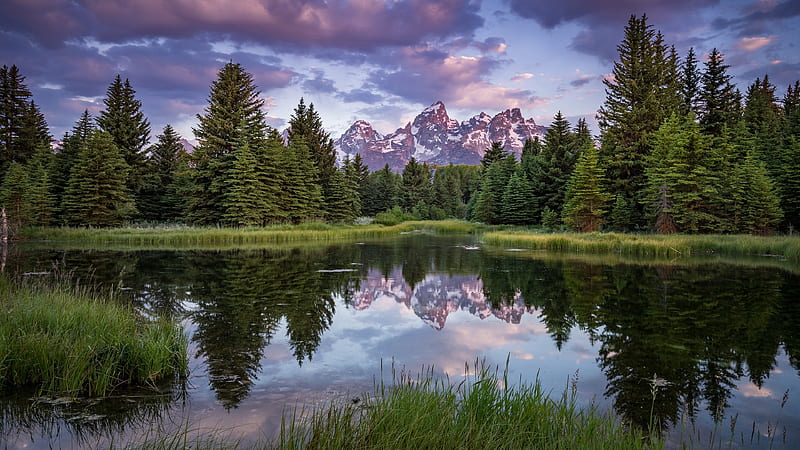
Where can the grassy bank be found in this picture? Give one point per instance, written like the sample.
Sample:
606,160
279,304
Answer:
177,236
482,412
664,246
73,340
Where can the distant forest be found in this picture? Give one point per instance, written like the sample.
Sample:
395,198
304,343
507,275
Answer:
680,149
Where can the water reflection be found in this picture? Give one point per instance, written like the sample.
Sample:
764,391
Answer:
699,329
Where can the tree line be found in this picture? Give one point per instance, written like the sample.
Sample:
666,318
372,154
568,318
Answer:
680,150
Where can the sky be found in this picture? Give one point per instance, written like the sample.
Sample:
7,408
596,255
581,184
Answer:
382,61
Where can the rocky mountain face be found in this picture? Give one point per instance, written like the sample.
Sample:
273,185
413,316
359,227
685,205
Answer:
435,138
436,297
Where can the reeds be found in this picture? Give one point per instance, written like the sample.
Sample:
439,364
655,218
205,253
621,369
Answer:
71,340
669,246
183,236
481,412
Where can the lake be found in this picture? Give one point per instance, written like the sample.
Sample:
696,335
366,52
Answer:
276,329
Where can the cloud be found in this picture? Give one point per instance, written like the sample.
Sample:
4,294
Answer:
351,24
759,17
751,44
582,80
425,74
522,76
319,83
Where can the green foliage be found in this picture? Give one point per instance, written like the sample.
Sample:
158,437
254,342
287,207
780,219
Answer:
21,122
489,206
13,193
719,99
586,199
124,120
393,216
75,341
381,192
305,125
519,203
550,219
761,208
343,204
159,199
415,185
235,108
96,194
492,154
642,93
550,169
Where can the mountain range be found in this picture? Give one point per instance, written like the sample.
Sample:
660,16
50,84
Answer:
435,138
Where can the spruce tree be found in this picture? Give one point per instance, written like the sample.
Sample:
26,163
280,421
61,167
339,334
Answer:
586,199
306,124
489,205
690,84
519,203
244,199
73,143
381,192
342,202
761,209
234,107
13,192
642,92
551,168
124,120
415,186
97,193
492,154
446,192
302,192
14,118
719,99
40,197
157,199
762,117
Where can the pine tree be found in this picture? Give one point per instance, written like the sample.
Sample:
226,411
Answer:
492,154
551,168
343,199
381,191
234,107
642,92
14,113
719,99
306,124
519,203
97,194
762,117
13,195
690,84
585,198
40,197
302,192
157,198
415,186
74,142
124,120
489,205
244,199
789,183
762,212
446,192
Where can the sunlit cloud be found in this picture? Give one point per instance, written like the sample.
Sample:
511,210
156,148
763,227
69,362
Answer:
751,44
522,76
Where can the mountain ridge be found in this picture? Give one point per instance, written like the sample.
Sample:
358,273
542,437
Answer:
436,138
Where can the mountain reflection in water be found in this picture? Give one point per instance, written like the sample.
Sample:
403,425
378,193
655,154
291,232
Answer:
722,338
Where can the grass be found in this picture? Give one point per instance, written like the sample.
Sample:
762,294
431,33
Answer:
71,340
664,246
175,236
424,411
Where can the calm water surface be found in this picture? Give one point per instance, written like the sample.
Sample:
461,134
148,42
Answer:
274,329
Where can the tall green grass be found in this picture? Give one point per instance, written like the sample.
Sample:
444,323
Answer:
178,236
482,412
670,246
72,340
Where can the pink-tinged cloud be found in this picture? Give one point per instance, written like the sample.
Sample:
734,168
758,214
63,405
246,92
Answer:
426,73
362,25
751,44
522,76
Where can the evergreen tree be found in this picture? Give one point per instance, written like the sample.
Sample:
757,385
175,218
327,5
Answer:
13,195
124,120
492,154
415,186
244,202
642,92
40,198
519,203
97,194
306,124
551,168
690,84
789,183
447,194
762,117
489,205
719,99
357,173
762,212
343,204
302,192
585,198
381,191
73,143
158,199
15,112
681,175
234,107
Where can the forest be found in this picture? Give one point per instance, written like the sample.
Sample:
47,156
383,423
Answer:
680,149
